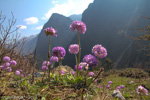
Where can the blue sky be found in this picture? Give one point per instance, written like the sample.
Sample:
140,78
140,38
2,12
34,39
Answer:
31,15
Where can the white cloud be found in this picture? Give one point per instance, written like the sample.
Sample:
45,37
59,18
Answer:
68,8
22,26
39,28
54,2
31,20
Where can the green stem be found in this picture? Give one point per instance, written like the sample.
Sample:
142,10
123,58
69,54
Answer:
49,59
43,76
79,53
59,68
76,59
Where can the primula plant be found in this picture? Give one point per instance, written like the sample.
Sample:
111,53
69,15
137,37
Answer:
81,81
81,28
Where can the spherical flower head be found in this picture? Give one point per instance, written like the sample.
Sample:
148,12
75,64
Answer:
91,74
2,67
78,25
13,62
6,64
118,87
17,72
72,72
74,49
79,67
95,81
99,87
46,63
99,51
44,68
59,52
84,65
141,89
91,60
54,59
22,75
122,86
6,59
50,31
110,82
62,72
9,69
108,86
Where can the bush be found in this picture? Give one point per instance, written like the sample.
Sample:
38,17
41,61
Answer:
134,73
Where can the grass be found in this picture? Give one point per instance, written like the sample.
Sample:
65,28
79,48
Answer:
62,88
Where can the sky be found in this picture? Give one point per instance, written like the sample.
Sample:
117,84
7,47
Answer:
31,15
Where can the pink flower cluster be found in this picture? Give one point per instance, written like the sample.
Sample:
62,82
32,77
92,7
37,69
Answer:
99,51
50,31
141,89
78,25
8,63
74,49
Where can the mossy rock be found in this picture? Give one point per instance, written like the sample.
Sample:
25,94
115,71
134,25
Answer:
65,68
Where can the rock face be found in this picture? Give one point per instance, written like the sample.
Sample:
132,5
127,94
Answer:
30,43
76,17
64,36
108,22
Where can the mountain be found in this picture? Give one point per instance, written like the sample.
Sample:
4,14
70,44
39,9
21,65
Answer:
64,36
76,17
30,43
108,22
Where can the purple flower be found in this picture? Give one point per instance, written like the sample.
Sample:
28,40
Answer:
50,31
59,52
110,82
95,81
141,89
78,25
122,86
6,59
54,59
46,63
90,73
74,49
62,72
22,75
118,87
84,64
72,72
13,62
108,86
9,69
99,87
7,64
90,59
99,51
17,72
79,67
44,67
2,67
